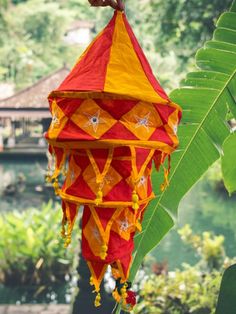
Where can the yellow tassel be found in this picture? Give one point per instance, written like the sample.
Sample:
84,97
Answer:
99,197
138,226
135,200
116,296
123,291
91,281
63,231
56,186
48,178
97,301
67,241
165,184
103,253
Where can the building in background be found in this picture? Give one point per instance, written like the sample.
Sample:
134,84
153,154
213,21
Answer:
25,115
79,33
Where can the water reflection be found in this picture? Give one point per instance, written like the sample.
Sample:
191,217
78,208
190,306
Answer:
22,184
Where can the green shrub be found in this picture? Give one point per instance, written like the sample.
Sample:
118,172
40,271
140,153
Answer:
31,250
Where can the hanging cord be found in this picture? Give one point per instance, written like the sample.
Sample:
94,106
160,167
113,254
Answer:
116,5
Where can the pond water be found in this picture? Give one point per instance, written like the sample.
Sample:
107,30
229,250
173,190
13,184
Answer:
22,183
203,208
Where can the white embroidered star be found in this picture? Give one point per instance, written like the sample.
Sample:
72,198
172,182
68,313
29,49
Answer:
96,233
94,120
144,121
107,180
55,120
72,175
175,128
142,181
124,225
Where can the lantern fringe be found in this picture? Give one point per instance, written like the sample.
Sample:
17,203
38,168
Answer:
59,164
165,184
96,281
66,233
100,175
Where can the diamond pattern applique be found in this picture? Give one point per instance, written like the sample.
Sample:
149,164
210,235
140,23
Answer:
73,172
110,180
142,120
93,236
92,119
124,224
58,121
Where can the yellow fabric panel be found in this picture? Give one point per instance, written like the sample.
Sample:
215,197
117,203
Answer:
72,174
92,119
110,180
58,121
125,75
125,224
142,120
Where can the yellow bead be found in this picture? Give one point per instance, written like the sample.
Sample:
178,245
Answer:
67,242
135,206
97,300
103,255
99,194
135,197
104,248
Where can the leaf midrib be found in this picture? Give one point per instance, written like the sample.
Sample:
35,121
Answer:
187,147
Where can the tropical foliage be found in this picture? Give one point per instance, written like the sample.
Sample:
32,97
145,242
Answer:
206,96
192,289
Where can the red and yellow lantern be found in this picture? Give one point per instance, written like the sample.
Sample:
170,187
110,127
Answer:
110,120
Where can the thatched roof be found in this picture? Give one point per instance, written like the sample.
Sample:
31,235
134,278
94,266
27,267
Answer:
33,97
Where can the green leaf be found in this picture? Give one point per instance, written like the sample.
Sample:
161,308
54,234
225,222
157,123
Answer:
228,163
227,297
206,96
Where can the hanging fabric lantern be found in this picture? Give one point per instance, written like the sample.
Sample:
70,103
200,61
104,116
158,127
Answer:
110,120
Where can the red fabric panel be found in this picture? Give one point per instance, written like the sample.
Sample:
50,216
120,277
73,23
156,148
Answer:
82,161
100,156
121,151
90,72
86,216
72,132
164,111
105,215
72,209
141,156
69,106
161,135
59,155
116,107
125,262
80,189
123,167
121,192
149,187
98,267
118,247
119,131
146,67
